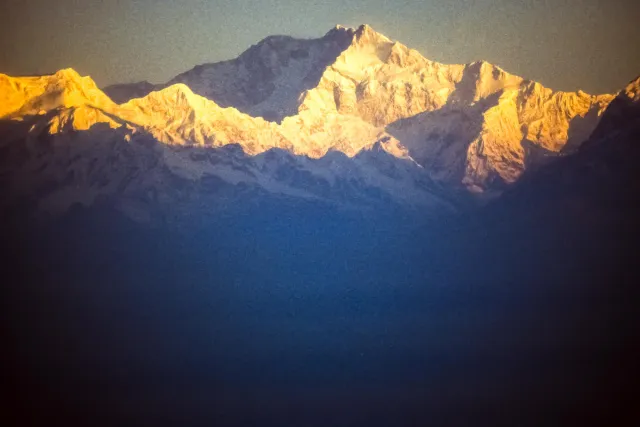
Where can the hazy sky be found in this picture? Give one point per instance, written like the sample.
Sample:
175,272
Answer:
592,45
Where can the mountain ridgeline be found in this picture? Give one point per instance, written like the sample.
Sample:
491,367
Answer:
332,231
351,119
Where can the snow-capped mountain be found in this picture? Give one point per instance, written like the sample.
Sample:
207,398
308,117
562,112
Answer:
64,142
509,123
27,96
349,118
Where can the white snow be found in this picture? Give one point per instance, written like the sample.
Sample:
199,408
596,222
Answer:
379,115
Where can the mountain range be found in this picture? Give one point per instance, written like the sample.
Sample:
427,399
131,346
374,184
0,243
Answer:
351,119
335,231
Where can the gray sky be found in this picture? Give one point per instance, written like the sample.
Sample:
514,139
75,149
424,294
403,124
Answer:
593,45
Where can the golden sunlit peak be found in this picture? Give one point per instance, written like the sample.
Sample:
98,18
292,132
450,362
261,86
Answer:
68,73
366,34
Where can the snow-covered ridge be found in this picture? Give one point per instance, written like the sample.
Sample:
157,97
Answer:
350,74
471,125
85,149
177,116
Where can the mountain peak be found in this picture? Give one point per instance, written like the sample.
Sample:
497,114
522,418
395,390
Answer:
69,79
366,34
174,98
68,73
365,28
34,94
